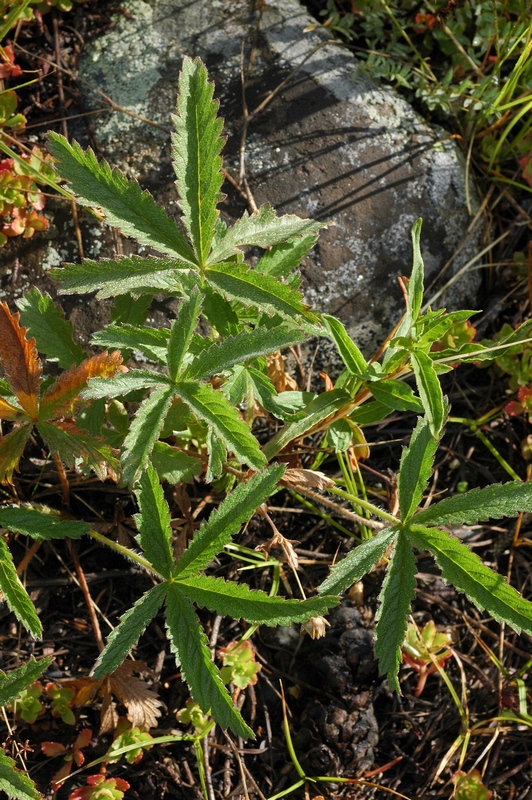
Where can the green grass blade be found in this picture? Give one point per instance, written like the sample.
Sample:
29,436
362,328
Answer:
221,356
416,468
45,321
464,569
40,525
189,644
316,413
358,563
129,630
182,331
226,520
235,600
121,199
212,407
239,282
478,505
15,783
395,598
15,595
11,685
415,285
196,146
144,432
262,229
152,342
122,275
351,355
430,392
153,523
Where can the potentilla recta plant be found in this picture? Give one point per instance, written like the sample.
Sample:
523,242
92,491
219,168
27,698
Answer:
191,418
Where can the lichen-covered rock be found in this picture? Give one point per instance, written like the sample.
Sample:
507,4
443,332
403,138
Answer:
331,145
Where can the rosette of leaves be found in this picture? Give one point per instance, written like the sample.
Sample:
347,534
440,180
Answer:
251,312
29,403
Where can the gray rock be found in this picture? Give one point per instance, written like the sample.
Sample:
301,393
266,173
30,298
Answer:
331,145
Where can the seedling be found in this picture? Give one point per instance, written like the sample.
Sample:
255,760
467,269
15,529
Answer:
423,650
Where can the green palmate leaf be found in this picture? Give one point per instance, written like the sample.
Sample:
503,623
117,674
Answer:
415,285
239,282
316,413
262,229
15,595
144,432
282,259
122,200
123,383
129,630
189,644
416,468
152,342
359,562
212,407
15,783
235,600
182,332
45,321
351,355
430,392
226,520
40,524
129,310
395,598
11,448
263,389
153,523
173,465
196,147
11,685
221,356
464,569
74,444
122,275
478,505
396,395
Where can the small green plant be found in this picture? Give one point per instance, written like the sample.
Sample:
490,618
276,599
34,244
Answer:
425,651
125,735
239,664
27,705
470,787
100,787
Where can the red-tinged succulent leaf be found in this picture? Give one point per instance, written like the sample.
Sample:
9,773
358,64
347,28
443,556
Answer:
11,449
53,749
60,397
21,361
9,412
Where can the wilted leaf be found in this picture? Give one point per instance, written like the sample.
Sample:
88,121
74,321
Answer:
21,361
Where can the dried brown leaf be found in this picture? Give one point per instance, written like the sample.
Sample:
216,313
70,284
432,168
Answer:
21,361
11,449
286,545
143,705
306,477
61,396
282,381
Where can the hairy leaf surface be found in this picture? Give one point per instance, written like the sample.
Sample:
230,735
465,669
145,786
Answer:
153,523
416,468
212,407
144,432
395,599
283,258
464,569
11,685
351,355
121,275
235,600
478,505
41,524
121,199
196,146
15,595
129,630
14,782
123,383
173,465
182,331
21,362
226,520
239,282
430,392
189,644
152,342
396,395
358,562
11,449
415,284
58,399
72,443
45,321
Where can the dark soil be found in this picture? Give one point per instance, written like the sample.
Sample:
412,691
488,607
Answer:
344,721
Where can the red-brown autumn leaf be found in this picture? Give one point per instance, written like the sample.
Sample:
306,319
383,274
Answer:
22,364
60,397
9,412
